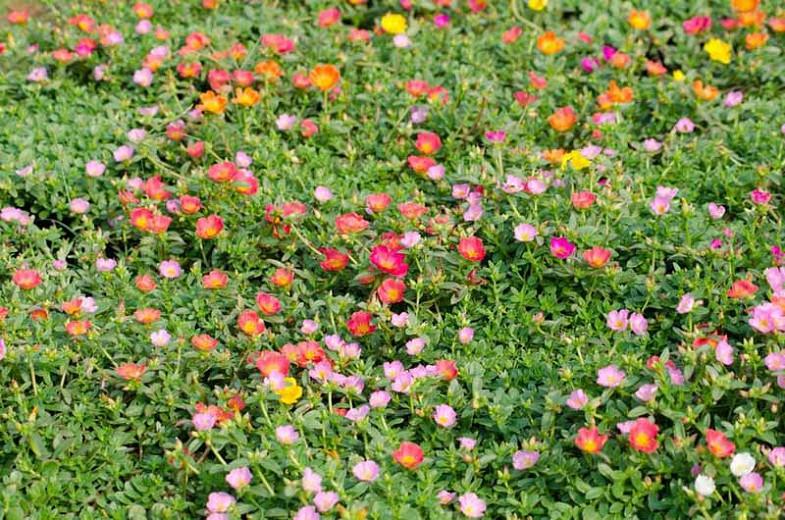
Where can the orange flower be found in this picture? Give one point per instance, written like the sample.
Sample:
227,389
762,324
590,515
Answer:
563,119
597,257
269,70
553,155
246,97
212,102
755,40
655,68
615,96
752,18
78,328
704,93
744,6
204,342
131,371
589,440
549,43
20,17
324,77
147,315
640,20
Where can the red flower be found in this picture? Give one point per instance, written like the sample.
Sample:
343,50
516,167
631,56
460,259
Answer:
360,324
718,444
26,279
268,304
391,291
334,260
389,261
472,249
209,227
271,361
409,455
350,223
589,440
643,436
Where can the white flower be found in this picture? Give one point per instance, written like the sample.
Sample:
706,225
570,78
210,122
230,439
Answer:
704,485
742,464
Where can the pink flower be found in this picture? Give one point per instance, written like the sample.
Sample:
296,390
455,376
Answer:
525,232
359,413
170,269
445,497
160,338
472,505
775,276
561,247
203,421
724,353
638,324
686,304
219,502
759,196
465,335
38,75
685,125
325,500
496,136
617,320
79,206
522,460
379,399
445,416
286,122
123,153
105,265
311,481
2,349
577,399
95,168
751,482
716,211
286,434
646,392
415,346
399,320
307,513
610,376
322,194
367,471
143,77
775,361
652,145
467,443
660,206
733,98
238,478
777,457
767,318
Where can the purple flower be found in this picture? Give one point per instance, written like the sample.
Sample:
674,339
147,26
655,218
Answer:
38,75
418,114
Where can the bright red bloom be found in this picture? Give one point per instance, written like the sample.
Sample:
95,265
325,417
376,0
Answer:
428,143
350,223
742,289
472,249
643,436
719,445
360,324
597,256
268,304
391,291
250,323
215,280
389,261
334,260
270,362
209,227
589,440
409,455
26,279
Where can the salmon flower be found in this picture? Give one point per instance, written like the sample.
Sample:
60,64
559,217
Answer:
597,257
756,40
389,261
145,283
718,444
250,323
377,202
640,20
282,278
393,23
360,324
329,17
472,249
548,43
215,280
204,342
26,279
409,455
131,371
78,327
268,304
278,43
222,172
212,102
350,224
18,17
391,291
582,199
190,204
334,260
589,440
511,35
704,92
271,362
420,164
643,436
563,119
742,289
324,77
428,143
207,228
147,315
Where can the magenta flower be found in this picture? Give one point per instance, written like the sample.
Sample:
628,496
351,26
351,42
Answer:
759,196
577,399
2,349
472,505
522,460
496,136
610,376
441,20
367,471
561,247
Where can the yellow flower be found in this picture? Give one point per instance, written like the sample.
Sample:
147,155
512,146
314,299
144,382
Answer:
678,75
718,50
576,160
538,5
291,392
394,23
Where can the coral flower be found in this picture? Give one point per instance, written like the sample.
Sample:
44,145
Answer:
26,279
215,280
643,436
548,43
209,227
719,445
409,455
597,257
582,199
250,323
377,202
704,92
360,324
329,17
278,43
391,291
268,304
563,119
350,223
131,371
389,261
204,342
511,35
78,328
472,249
324,77
271,362
589,440
742,289
428,143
